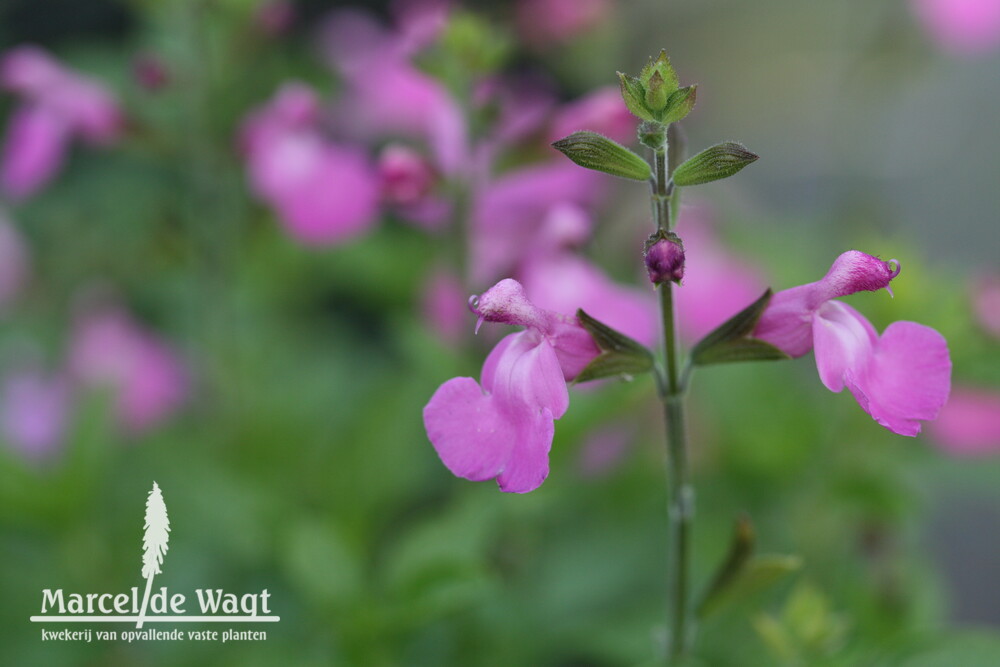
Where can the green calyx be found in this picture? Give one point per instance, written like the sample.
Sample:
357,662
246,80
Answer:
656,95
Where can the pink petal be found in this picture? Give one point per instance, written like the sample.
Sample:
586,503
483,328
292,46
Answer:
529,462
787,320
331,197
35,149
962,27
574,346
34,409
444,305
509,213
787,323
506,302
844,342
907,379
472,437
969,424
527,374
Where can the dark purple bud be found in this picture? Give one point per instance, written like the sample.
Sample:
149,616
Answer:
664,255
150,72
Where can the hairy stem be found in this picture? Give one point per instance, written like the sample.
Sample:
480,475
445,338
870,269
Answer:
681,504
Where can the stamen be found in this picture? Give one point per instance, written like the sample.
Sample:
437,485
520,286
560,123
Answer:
894,269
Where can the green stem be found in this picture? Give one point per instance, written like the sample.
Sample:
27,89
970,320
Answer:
681,504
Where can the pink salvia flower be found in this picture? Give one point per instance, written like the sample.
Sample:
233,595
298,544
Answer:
986,303
969,425
34,410
601,111
502,427
544,23
148,379
57,105
899,378
961,27
323,192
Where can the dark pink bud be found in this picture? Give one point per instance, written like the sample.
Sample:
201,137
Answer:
150,72
664,256
407,177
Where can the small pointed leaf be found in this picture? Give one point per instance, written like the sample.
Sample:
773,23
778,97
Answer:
620,355
715,163
597,152
730,341
680,104
759,573
635,96
740,551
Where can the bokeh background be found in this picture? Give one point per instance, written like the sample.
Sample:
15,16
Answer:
187,299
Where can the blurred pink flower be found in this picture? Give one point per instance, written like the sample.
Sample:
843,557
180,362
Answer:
604,450
322,192
899,378
546,23
57,105
147,377
557,278
274,17
961,27
600,111
509,213
969,425
408,183
503,429
14,262
150,71
386,96
717,283
34,411
444,305
986,303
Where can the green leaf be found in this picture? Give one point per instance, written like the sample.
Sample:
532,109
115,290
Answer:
730,342
757,574
743,349
680,104
597,152
715,163
740,551
634,96
620,355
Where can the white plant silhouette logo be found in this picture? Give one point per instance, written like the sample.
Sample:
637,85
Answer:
154,543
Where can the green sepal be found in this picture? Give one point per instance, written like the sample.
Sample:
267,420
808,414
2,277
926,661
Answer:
620,355
635,96
597,152
715,163
662,67
656,93
730,341
680,104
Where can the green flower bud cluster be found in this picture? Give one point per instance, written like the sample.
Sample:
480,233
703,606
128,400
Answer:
656,95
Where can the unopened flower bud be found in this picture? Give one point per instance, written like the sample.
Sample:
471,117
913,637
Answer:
664,255
407,177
